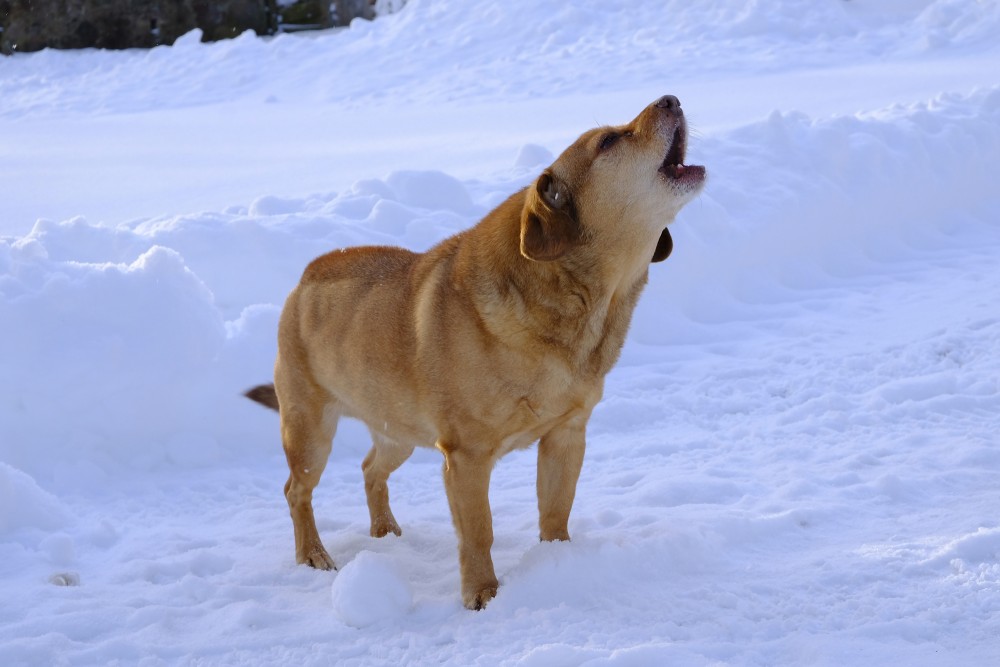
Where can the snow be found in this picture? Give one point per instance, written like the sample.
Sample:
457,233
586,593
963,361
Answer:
795,462
370,589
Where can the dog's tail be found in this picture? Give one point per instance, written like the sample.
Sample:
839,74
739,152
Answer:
263,394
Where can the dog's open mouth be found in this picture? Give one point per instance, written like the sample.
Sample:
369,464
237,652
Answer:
673,166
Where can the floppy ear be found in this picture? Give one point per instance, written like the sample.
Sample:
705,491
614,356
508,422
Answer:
663,247
548,222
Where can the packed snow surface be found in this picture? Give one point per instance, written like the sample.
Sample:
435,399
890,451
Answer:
797,459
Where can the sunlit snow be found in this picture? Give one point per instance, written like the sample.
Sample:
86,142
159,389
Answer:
796,462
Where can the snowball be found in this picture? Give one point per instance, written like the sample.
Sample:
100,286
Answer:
369,589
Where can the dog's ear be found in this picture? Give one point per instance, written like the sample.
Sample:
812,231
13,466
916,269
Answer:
663,247
548,222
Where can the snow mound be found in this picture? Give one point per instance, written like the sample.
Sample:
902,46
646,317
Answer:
982,546
129,351
562,573
370,589
430,189
151,331
24,504
531,156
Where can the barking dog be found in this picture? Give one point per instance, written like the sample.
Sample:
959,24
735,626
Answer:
498,337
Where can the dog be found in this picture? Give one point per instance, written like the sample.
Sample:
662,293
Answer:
496,338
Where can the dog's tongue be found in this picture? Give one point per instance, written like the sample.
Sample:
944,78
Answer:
663,247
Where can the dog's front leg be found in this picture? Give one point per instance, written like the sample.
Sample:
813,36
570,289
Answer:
560,457
467,483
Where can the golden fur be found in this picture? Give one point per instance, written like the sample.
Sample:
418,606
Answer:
496,338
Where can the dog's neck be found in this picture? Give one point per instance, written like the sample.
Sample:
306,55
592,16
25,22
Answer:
580,305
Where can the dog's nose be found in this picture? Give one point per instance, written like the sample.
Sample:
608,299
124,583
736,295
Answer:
668,103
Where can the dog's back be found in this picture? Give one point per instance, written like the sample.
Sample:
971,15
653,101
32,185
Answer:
366,265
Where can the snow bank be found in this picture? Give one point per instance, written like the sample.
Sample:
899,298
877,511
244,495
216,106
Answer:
517,49
796,203
149,332
127,351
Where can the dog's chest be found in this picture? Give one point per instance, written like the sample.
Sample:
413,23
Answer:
546,404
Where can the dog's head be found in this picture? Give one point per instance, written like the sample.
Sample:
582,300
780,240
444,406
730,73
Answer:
614,186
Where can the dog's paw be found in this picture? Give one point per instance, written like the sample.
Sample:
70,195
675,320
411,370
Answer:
477,600
385,525
317,558
554,535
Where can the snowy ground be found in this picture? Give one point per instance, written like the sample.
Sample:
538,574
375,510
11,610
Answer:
796,461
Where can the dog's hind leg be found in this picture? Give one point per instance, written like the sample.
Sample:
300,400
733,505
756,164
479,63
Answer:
308,422
385,456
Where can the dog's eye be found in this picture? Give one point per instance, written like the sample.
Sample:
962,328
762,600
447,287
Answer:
608,140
